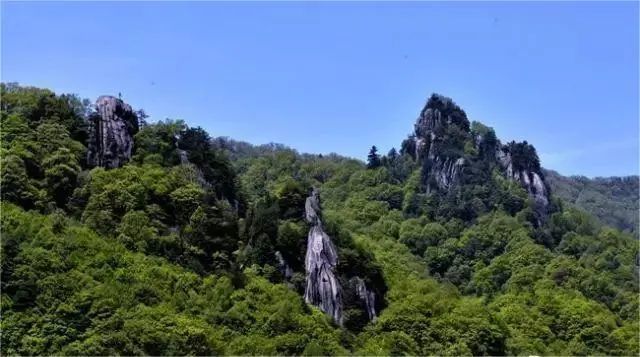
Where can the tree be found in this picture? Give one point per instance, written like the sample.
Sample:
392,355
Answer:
261,231
392,155
158,143
373,160
61,171
16,186
144,258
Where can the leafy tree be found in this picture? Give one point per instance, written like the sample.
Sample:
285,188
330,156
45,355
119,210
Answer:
61,170
16,186
159,257
158,143
261,231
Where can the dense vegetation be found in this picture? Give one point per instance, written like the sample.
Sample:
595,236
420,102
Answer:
167,257
613,200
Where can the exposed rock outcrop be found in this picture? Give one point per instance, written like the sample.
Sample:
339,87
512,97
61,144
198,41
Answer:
323,288
184,157
112,128
438,142
367,297
283,266
520,163
444,143
445,172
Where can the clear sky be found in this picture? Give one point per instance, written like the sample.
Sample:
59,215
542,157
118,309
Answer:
340,77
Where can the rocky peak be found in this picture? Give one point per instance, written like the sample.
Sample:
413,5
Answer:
446,144
111,132
438,142
520,163
440,112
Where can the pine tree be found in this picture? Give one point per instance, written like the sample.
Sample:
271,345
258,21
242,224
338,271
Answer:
373,158
392,155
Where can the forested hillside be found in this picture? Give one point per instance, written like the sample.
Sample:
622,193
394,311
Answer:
613,200
128,236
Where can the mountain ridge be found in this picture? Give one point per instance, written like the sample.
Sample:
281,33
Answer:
200,245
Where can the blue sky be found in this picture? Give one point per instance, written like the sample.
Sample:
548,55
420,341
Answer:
340,77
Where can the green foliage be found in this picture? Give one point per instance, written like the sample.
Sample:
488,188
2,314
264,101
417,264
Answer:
76,293
292,243
61,171
613,200
136,232
175,252
214,165
523,156
16,186
41,154
261,232
157,143
38,106
291,197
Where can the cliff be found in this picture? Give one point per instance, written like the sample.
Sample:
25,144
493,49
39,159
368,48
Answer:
111,131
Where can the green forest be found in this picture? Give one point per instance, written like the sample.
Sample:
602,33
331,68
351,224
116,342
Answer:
129,236
613,200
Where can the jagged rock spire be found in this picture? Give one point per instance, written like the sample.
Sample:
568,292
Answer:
439,141
323,288
436,145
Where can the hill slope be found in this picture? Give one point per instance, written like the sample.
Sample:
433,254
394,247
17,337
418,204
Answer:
613,200
122,237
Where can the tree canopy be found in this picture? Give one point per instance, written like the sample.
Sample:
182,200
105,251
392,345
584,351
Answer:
182,250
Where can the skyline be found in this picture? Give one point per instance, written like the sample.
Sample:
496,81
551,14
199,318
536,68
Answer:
341,77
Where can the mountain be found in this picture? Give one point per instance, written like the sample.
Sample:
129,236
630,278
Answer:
124,237
613,200
462,159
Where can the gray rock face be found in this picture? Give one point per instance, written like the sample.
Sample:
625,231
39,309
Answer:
446,172
367,297
438,143
284,268
199,176
440,112
529,179
111,133
323,288
433,127
184,157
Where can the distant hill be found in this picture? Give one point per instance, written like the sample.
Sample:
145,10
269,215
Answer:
613,200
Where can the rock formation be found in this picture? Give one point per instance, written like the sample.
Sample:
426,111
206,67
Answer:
323,288
438,142
184,157
442,141
283,266
525,170
367,297
112,128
